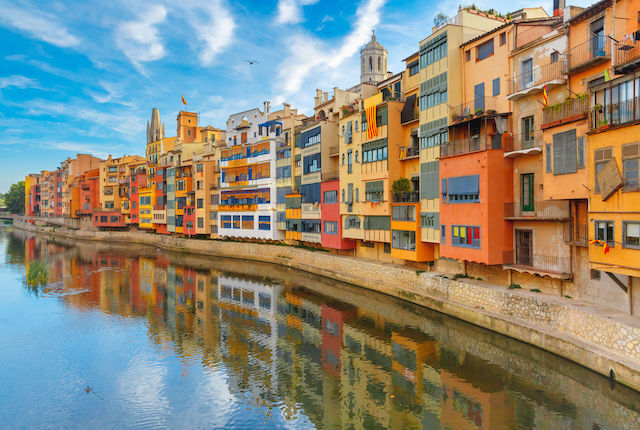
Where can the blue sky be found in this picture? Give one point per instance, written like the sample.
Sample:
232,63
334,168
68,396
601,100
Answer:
82,76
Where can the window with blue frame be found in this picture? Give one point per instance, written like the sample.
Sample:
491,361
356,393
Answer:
312,163
310,137
461,189
264,222
310,193
465,236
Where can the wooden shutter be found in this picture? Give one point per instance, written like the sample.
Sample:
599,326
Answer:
609,179
565,153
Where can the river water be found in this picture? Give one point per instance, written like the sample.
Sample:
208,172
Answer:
103,336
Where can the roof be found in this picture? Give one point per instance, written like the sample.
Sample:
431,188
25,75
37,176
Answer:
373,43
590,11
520,21
412,55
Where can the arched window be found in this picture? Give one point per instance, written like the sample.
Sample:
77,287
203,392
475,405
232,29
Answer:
379,64
370,64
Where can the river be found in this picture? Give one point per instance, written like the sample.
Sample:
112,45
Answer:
103,336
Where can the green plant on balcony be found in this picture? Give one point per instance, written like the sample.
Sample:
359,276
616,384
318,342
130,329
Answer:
401,187
479,111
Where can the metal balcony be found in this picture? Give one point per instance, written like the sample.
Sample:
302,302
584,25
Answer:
524,144
594,51
570,110
534,80
544,210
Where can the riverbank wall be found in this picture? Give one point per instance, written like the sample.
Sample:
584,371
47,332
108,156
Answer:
593,336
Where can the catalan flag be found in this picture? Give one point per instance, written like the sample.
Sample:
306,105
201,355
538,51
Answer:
545,96
601,242
184,102
372,130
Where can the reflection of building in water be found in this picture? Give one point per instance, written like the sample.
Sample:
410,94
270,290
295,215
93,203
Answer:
249,333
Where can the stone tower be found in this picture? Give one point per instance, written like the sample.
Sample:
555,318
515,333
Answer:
155,128
373,62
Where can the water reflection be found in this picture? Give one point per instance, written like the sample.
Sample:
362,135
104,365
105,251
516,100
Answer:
295,349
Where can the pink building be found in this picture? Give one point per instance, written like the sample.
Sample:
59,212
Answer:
330,217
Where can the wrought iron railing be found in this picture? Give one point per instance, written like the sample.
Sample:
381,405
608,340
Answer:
412,197
524,141
570,108
576,234
539,262
476,107
541,210
537,76
603,116
594,50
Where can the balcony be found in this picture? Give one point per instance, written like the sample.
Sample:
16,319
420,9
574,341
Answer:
334,151
590,53
524,144
413,197
576,234
549,265
534,80
409,152
573,109
603,117
476,108
471,144
544,210
627,57
310,211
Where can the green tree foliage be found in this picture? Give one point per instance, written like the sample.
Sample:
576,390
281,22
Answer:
14,198
440,19
401,186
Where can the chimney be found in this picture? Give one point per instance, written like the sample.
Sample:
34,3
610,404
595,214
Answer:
318,97
558,7
326,96
267,106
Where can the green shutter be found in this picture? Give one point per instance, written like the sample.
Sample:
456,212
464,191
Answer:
374,187
377,223
376,144
429,180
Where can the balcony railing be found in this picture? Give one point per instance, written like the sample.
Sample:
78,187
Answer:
334,151
538,262
470,144
569,110
539,210
576,234
409,152
536,78
627,55
524,143
623,112
593,51
477,107
413,197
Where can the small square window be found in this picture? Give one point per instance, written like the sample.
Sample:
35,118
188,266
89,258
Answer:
595,275
554,56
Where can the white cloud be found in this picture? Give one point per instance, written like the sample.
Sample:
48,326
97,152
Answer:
37,24
79,148
139,39
290,11
17,81
309,54
112,94
213,24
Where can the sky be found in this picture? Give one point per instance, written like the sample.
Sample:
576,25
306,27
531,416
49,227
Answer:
80,76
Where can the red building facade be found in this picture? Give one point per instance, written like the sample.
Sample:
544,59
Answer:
331,222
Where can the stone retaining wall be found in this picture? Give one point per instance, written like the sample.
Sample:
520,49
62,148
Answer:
596,337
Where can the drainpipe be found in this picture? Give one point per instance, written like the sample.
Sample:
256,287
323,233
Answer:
613,18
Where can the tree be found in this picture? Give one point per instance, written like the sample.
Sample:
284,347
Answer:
14,198
440,19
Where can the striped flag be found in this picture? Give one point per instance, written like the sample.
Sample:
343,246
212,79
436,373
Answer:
545,96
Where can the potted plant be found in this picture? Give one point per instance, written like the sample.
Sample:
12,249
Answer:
478,111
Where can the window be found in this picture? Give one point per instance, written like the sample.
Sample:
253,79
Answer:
357,161
114,218
403,213
496,87
200,203
595,274
103,218
108,205
467,55
377,222
547,157
443,234
581,152
199,167
247,222
357,195
465,236
462,189
374,191
406,240
503,38
330,227
526,192
352,222
330,197
414,68
226,221
264,222
555,56
312,163
200,222
485,50
604,231
374,154
236,221
349,161
527,132
631,234
526,72
631,166
565,156
600,158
